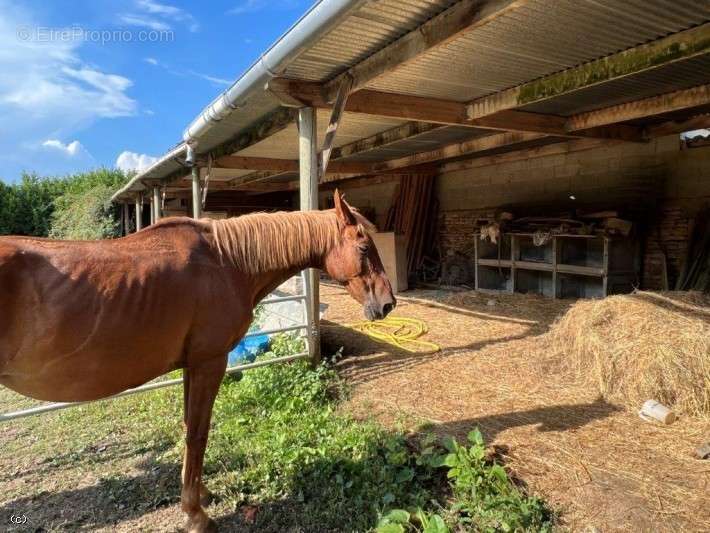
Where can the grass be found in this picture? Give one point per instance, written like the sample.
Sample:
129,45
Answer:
281,458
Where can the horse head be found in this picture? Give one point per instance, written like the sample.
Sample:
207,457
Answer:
355,263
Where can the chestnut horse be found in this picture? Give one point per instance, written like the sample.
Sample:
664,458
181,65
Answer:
87,320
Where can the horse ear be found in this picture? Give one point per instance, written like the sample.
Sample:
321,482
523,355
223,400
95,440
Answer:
343,211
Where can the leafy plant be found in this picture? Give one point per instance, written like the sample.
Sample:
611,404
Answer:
74,206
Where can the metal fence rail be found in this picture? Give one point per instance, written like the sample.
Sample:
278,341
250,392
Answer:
143,388
48,407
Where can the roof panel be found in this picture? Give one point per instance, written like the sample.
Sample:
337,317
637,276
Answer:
539,38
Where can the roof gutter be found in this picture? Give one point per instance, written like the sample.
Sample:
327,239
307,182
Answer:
319,20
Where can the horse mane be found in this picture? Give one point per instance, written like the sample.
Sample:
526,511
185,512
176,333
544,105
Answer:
262,242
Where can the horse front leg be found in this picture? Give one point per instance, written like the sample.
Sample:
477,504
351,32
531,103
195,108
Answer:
202,385
205,496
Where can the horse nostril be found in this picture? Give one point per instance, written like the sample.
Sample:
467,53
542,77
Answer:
387,308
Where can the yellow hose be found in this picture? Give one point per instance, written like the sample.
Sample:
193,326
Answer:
399,331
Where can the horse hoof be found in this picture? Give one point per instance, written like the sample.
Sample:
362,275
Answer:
202,524
205,497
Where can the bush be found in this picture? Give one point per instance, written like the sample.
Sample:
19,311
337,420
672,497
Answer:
85,210
26,207
76,206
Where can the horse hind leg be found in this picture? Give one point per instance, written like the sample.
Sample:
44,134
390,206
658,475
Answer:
202,385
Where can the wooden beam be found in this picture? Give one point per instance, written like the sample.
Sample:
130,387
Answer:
335,118
284,165
446,26
467,148
675,127
408,131
272,123
444,112
645,58
656,105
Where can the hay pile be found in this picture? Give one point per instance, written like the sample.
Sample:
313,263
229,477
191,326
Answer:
646,345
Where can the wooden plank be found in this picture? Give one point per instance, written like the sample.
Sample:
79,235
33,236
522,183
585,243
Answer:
446,26
467,148
680,46
674,127
333,123
445,112
581,270
656,105
408,131
266,127
284,165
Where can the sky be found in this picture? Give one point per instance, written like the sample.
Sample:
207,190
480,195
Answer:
90,83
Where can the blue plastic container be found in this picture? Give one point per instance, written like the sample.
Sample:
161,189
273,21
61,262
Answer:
247,350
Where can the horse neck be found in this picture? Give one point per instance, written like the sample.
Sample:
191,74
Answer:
271,248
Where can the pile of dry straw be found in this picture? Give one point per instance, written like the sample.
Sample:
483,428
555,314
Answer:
646,345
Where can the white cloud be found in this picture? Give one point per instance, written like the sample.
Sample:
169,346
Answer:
47,91
144,22
250,6
129,161
157,16
72,149
212,79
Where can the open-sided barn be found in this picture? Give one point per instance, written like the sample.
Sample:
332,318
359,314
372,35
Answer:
439,117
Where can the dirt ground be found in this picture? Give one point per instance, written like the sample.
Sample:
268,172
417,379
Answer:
598,464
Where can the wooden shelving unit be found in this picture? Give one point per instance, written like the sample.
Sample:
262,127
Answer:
567,266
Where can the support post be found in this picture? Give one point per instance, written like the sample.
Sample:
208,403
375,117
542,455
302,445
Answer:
126,219
139,211
196,193
308,168
157,215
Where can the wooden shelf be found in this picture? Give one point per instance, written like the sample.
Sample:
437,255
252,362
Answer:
503,263
543,272
533,265
580,270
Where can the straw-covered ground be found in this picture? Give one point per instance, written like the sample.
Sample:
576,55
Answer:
589,455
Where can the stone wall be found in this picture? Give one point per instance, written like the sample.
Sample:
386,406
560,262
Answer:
661,184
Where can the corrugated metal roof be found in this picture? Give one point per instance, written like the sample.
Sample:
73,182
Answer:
535,39
366,31
369,29
539,38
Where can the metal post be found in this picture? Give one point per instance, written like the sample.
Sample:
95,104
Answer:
139,211
308,167
156,205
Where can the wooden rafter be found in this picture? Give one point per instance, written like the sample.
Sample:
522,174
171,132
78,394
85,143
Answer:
408,131
446,112
284,165
686,99
466,148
